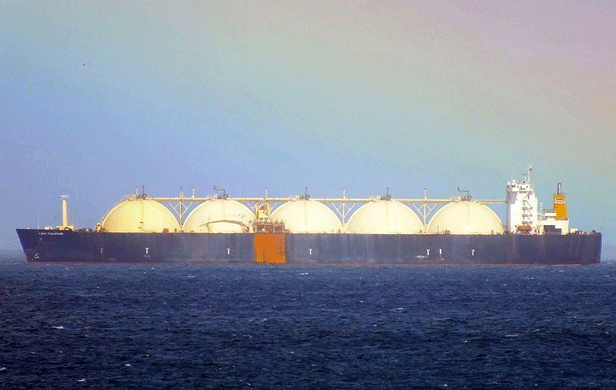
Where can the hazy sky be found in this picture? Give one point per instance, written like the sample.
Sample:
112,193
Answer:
99,97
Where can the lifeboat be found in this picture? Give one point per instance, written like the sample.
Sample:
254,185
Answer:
525,229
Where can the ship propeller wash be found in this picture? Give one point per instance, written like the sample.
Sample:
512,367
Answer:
304,230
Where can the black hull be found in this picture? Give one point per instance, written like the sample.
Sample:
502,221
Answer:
350,249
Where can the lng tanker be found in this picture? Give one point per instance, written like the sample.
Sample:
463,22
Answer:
303,230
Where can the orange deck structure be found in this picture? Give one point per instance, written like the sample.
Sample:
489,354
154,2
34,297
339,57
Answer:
270,248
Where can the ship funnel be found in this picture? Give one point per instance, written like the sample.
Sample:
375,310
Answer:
560,204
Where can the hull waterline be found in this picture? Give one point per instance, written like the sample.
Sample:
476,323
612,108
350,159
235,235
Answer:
344,249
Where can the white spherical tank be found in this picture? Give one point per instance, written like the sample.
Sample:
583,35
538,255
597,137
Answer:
219,216
465,217
384,217
307,216
138,215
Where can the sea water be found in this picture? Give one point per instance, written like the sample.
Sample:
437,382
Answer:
85,326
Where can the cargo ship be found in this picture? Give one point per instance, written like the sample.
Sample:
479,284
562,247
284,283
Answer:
327,231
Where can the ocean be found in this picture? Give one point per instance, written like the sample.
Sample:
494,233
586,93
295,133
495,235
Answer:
86,326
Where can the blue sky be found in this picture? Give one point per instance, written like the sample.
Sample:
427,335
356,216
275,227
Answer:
97,98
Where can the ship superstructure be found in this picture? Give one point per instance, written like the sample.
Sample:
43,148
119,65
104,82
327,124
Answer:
524,216
522,213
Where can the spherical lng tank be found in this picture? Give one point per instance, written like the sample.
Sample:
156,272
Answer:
219,216
139,215
307,216
384,217
465,217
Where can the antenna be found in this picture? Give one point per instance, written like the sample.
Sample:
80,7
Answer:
387,196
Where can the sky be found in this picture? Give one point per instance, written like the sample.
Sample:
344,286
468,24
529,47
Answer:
99,98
